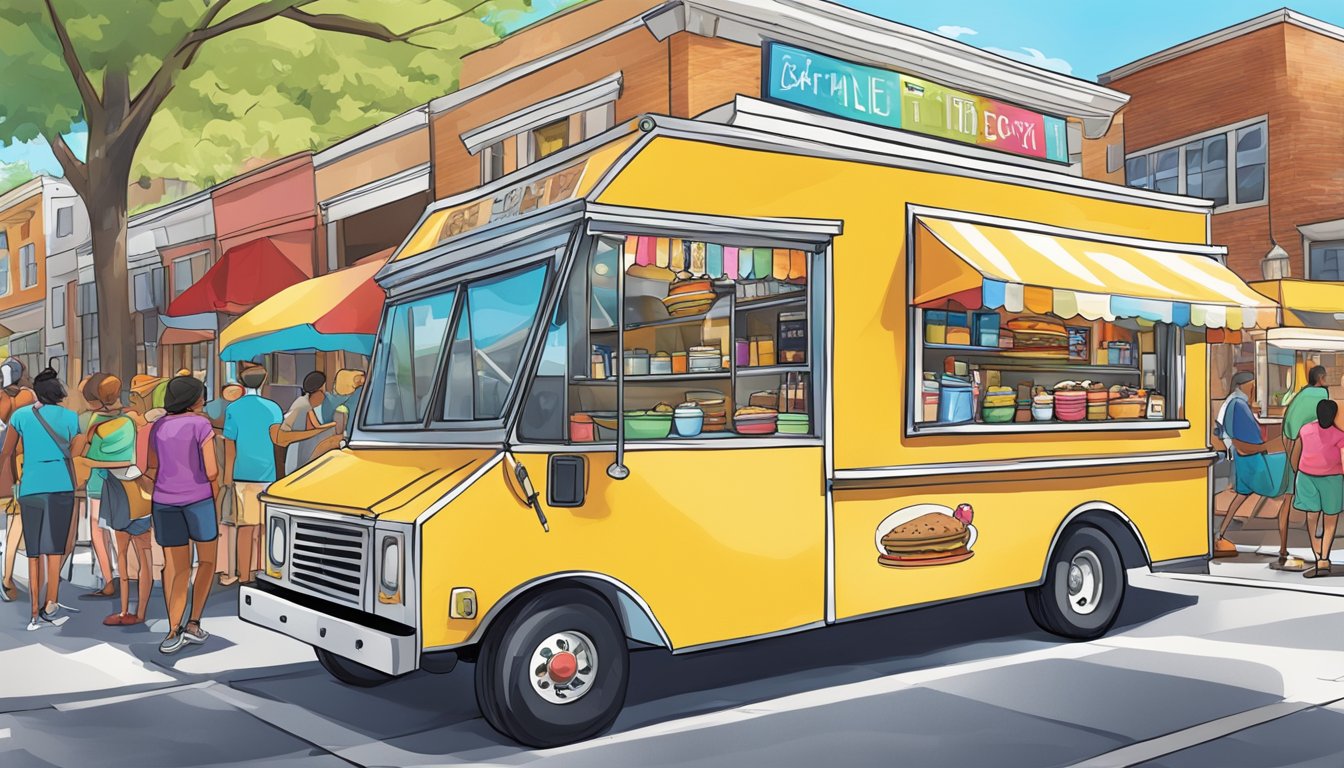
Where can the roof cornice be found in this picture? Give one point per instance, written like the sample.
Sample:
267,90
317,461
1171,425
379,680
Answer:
1265,21
845,33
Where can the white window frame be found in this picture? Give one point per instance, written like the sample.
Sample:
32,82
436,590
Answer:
194,277
58,307
1230,130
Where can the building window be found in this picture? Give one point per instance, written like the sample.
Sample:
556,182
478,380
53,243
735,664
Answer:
549,139
4,240
28,266
187,270
58,307
65,221
492,162
1251,164
1325,259
28,349
1199,166
4,275
88,333
599,119
86,306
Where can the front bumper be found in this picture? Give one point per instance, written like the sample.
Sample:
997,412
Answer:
387,652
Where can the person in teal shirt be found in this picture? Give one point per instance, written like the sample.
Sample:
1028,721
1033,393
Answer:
1301,411
46,489
251,424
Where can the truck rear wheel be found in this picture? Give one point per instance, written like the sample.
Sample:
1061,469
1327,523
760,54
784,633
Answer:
553,670
351,672
1084,586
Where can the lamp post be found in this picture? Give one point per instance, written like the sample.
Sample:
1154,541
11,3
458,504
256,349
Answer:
1276,264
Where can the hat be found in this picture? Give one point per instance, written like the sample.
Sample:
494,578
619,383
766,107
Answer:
1241,377
143,384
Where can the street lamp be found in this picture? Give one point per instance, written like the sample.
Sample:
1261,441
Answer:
1276,264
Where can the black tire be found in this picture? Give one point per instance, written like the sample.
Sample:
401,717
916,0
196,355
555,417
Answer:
351,672
1054,608
504,669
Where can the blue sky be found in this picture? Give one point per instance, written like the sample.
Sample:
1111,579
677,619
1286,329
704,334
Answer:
1082,39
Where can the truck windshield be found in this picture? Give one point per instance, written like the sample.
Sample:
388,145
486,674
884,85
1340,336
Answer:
483,340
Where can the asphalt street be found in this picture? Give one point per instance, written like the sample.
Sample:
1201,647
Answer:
1216,672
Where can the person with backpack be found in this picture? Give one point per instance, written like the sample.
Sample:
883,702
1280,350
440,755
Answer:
108,449
1256,470
44,431
180,474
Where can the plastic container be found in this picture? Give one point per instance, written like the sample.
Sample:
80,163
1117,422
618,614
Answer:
647,425
742,352
1043,412
582,429
679,362
793,424
1129,408
660,364
688,420
998,414
636,362
956,402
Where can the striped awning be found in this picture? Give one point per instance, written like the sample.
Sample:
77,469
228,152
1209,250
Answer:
1089,276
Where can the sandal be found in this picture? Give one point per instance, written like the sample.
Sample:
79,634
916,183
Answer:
107,591
131,620
1318,571
8,592
117,620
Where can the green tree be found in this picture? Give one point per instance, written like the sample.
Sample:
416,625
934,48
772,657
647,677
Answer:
192,88
14,174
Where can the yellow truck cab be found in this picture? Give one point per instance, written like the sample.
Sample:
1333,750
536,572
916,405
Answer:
692,383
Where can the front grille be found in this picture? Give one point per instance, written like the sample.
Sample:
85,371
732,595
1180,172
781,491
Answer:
327,558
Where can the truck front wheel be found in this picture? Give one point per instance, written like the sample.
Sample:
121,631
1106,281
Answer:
553,670
351,672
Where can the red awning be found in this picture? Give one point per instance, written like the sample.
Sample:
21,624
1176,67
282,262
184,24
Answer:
245,276
184,336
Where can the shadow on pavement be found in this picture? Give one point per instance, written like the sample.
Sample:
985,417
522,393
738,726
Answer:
435,714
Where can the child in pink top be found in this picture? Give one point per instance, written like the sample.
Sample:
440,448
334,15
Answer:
1320,481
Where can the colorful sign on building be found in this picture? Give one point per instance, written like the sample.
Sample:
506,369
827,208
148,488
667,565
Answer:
893,100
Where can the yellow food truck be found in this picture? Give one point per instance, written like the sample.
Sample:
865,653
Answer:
694,383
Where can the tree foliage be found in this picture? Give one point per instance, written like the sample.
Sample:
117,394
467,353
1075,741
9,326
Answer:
311,73
14,174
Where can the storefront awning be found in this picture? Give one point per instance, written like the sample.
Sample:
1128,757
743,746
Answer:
1022,269
1307,303
336,311
245,276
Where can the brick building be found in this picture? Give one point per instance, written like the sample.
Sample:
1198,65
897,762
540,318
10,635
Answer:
1247,116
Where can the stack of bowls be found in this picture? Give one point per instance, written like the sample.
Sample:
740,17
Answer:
1070,405
712,404
689,297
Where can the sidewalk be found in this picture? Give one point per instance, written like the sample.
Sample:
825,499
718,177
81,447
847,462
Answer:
82,658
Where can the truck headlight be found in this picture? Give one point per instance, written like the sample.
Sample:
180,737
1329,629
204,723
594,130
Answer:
277,544
389,575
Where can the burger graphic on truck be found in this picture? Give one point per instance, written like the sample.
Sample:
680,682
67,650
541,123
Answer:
926,534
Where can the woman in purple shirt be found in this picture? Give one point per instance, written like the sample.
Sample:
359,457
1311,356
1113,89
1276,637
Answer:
182,469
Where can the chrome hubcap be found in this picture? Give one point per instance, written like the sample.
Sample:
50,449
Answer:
563,667
1084,582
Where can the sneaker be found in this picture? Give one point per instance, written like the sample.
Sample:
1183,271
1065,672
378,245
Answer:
173,643
37,623
197,637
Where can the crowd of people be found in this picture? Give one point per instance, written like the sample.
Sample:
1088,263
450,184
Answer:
168,485
1303,469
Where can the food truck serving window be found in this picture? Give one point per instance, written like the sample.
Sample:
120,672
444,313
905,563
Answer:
712,341
1017,369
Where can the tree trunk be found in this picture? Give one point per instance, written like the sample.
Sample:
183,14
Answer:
107,216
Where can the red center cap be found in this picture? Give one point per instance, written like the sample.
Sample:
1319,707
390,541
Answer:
563,667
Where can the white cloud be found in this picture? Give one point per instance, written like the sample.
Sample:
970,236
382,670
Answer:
953,31
1035,58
